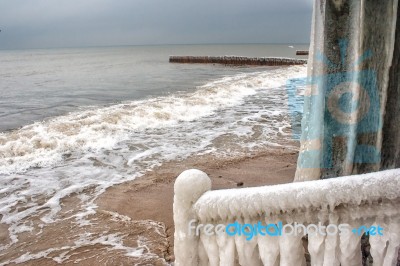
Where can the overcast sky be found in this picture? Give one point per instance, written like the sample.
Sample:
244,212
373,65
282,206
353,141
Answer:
72,23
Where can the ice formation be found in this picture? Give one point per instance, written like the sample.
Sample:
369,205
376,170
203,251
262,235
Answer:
355,50
368,199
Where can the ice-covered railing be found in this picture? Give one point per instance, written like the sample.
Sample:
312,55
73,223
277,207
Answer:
369,199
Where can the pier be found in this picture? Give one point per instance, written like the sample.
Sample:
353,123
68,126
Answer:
301,52
237,60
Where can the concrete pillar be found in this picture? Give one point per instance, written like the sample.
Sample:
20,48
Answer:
188,188
353,90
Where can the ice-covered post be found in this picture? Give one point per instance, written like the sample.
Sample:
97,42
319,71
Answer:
188,188
352,101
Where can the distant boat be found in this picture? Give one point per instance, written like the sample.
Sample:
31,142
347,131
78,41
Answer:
291,46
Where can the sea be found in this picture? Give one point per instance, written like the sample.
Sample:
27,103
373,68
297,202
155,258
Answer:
81,120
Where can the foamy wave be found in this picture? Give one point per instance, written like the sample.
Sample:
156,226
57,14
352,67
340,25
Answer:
47,143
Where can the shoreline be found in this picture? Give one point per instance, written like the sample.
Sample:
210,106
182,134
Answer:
152,194
133,221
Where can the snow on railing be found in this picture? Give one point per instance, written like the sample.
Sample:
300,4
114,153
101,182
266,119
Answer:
369,200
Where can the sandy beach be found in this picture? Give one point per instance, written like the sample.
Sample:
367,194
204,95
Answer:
292,109
138,213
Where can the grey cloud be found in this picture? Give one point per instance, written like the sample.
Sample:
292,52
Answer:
64,23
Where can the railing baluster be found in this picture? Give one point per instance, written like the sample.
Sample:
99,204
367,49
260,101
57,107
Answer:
226,245
291,251
350,246
316,248
268,247
394,242
211,248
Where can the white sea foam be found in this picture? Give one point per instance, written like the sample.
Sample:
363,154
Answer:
42,163
112,241
47,143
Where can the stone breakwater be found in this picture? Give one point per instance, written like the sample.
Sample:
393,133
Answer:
301,52
237,60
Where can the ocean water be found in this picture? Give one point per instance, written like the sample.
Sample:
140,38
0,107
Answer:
80,119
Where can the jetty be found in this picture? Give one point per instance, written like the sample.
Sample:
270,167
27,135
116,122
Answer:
237,60
301,52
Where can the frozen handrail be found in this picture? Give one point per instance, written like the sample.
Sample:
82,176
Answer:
367,199
329,193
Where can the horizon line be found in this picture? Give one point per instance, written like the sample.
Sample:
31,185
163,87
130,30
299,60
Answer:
166,44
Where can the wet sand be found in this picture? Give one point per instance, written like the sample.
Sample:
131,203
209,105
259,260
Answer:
151,197
140,213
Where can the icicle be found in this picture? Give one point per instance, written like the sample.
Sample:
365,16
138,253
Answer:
211,248
251,254
316,247
291,250
350,249
240,241
378,243
378,248
226,246
331,257
331,251
394,243
268,247
203,257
